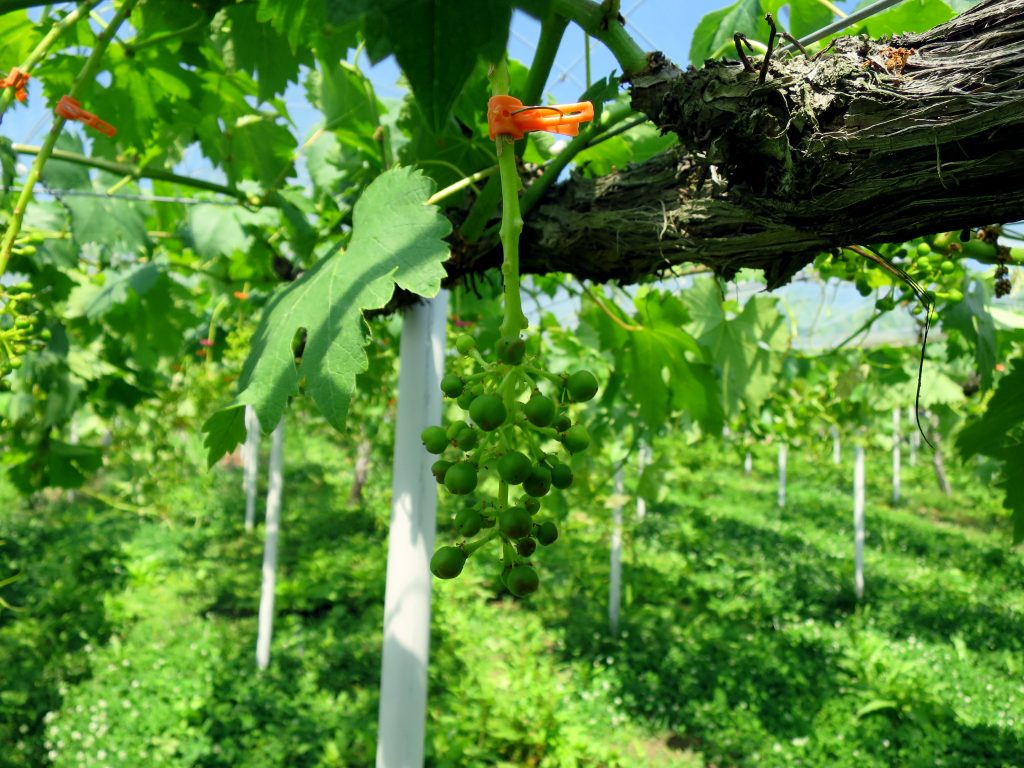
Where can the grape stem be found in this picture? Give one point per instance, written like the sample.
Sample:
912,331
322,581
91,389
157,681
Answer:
511,217
469,549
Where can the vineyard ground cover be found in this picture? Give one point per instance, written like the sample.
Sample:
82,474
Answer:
740,642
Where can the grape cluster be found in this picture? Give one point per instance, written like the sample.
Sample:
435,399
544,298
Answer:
516,439
17,328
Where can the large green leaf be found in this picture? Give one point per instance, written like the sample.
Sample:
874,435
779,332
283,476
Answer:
744,348
93,300
350,108
259,49
18,36
436,42
396,240
660,364
999,433
971,318
715,31
261,150
908,16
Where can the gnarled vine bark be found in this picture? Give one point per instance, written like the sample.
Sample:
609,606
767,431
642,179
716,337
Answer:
874,141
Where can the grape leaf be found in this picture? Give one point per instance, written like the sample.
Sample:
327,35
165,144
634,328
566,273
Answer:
999,433
715,30
396,240
744,348
18,36
260,149
436,42
971,318
259,49
93,301
807,16
660,364
908,16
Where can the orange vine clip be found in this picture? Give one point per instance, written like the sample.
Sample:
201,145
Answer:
70,109
507,115
16,79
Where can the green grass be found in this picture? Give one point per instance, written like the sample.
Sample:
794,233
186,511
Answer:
741,641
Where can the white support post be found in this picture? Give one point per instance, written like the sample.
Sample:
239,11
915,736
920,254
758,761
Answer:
858,522
615,576
271,534
914,435
250,465
896,455
748,464
643,458
783,457
401,724
836,452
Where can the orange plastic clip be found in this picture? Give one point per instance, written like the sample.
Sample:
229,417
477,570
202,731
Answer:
70,109
16,79
507,115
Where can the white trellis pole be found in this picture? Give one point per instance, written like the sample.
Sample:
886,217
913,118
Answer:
858,521
783,457
748,463
836,452
403,681
896,455
271,534
643,457
615,576
250,465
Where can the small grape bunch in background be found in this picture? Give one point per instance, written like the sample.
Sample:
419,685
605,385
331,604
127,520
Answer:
17,328
513,450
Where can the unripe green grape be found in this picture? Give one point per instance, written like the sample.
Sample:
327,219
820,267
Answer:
465,343
435,439
14,363
538,483
460,478
539,410
447,562
45,334
547,533
923,263
923,249
576,439
581,386
561,476
947,267
451,385
439,468
514,467
522,580
467,439
465,400
532,505
488,412
885,304
526,547
515,522
511,349
563,422
468,522
455,429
